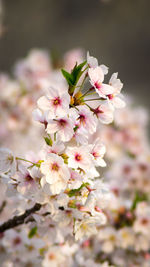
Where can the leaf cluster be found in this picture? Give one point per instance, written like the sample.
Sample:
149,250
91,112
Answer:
73,77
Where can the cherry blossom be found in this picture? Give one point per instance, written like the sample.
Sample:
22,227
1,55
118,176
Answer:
63,127
66,203
79,157
86,119
56,173
56,102
116,101
7,161
96,76
97,151
104,113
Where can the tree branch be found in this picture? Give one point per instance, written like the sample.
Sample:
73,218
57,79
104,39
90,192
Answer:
20,219
2,206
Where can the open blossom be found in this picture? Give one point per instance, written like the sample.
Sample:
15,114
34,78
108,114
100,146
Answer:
56,173
7,161
104,112
63,127
125,237
28,181
55,257
117,85
86,119
108,238
97,151
56,102
96,76
14,240
99,196
85,227
79,157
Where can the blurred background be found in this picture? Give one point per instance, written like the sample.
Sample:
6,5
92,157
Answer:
117,32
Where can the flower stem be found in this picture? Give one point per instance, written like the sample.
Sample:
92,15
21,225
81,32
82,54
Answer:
34,164
95,99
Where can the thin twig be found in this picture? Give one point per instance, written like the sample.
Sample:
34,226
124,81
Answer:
20,219
2,206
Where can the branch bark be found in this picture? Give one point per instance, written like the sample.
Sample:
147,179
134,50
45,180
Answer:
2,206
20,219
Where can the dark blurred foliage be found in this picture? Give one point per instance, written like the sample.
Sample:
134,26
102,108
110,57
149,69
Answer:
115,31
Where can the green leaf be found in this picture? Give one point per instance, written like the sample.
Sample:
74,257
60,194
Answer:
48,141
138,198
32,232
73,77
77,72
68,77
75,128
73,192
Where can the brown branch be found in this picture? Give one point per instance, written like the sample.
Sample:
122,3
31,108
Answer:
2,206
20,219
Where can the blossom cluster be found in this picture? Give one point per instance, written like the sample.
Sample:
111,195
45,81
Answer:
61,177
124,240
83,220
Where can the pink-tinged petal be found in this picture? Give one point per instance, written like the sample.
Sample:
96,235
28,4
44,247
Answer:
44,103
118,102
106,118
116,83
52,127
105,113
104,68
106,89
92,61
96,75
37,114
53,92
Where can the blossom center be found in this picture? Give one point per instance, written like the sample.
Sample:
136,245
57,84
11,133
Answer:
62,122
84,227
144,221
78,157
82,118
95,154
98,85
55,167
17,241
111,96
51,256
29,179
56,101
98,110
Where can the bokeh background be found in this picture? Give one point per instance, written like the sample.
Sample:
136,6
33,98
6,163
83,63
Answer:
117,32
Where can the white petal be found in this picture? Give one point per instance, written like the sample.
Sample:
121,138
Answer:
101,162
106,89
44,103
92,61
104,68
118,102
